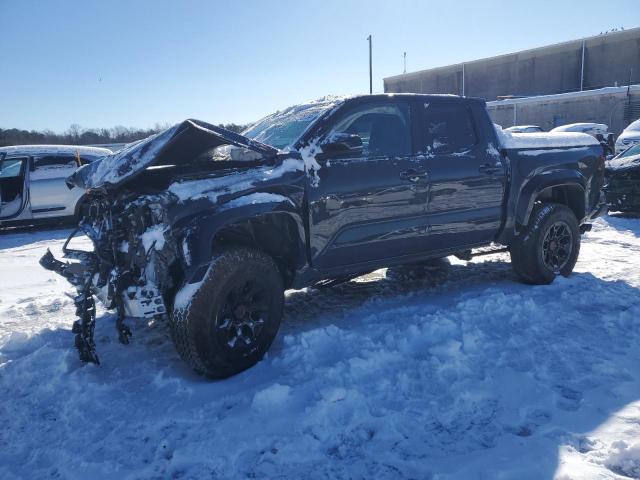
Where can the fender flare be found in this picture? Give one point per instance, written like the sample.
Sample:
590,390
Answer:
202,228
542,181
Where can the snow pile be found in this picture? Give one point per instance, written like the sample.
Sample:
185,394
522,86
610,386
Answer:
543,140
153,237
464,374
625,459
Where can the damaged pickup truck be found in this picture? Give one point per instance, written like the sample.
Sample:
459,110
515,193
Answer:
207,228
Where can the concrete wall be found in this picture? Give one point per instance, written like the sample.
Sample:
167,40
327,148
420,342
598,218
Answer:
540,71
606,105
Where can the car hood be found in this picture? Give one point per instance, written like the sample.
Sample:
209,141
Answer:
629,135
623,164
178,145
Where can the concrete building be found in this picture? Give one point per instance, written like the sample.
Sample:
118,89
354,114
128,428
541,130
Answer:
613,106
588,64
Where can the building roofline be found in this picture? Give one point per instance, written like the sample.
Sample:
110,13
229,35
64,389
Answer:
630,31
566,95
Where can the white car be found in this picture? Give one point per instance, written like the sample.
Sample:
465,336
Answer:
598,130
629,136
32,182
524,129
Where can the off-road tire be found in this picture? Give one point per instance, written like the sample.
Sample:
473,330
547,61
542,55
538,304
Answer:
527,248
194,324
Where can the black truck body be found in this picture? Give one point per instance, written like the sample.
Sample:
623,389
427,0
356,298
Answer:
326,191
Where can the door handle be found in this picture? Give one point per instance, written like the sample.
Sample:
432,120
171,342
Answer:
490,169
414,175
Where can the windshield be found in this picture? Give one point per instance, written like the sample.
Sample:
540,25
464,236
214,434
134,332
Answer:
635,150
282,129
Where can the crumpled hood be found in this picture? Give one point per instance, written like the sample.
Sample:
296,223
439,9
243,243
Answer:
177,145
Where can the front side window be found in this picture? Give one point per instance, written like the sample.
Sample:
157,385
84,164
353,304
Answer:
385,130
11,168
448,128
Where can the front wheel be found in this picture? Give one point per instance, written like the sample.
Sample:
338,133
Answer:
227,323
549,246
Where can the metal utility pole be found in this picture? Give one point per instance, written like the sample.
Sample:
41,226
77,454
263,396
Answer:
582,66
370,68
405,62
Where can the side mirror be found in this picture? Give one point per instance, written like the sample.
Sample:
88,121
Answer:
342,144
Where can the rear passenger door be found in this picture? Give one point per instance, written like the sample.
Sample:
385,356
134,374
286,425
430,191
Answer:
466,173
368,205
50,196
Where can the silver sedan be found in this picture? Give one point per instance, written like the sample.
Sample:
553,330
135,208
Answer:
32,182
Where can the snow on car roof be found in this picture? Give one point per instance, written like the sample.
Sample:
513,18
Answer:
543,140
633,126
55,149
581,127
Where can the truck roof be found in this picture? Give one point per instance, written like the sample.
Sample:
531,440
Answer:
425,96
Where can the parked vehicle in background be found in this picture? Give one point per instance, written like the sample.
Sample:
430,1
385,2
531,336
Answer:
629,136
32,182
524,129
210,226
623,181
600,131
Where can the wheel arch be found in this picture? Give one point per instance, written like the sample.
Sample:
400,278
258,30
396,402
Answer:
276,228
566,188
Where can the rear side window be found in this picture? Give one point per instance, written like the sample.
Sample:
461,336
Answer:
56,161
383,128
448,128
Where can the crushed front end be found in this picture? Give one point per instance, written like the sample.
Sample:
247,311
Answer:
129,269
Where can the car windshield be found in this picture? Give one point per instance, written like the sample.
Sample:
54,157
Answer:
635,150
282,129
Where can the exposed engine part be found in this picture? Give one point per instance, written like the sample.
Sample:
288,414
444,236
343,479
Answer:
85,327
128,269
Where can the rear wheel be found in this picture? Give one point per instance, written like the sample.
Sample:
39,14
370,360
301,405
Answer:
230,321
549,246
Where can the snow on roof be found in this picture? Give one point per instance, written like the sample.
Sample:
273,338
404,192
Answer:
54,149
565,96
543,140
581,127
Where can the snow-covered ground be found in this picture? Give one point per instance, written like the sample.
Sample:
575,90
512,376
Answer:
464,374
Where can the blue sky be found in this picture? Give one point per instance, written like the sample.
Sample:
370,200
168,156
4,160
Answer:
137,63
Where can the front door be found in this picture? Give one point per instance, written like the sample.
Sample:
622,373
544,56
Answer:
366,206
13,192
